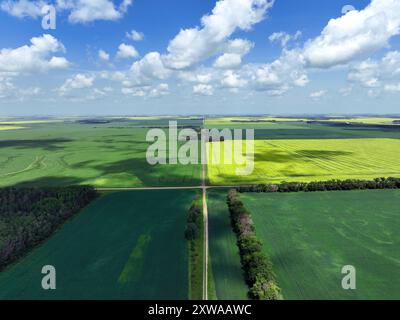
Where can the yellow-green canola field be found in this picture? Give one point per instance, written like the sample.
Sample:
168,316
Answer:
278,161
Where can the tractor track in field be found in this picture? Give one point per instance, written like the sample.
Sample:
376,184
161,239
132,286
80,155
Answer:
39,161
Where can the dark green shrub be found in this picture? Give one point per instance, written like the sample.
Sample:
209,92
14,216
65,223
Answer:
191,232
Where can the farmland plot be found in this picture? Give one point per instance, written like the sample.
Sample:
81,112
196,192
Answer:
125,245
112,155
310,237
278,161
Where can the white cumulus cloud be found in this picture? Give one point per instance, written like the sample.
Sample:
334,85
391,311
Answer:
6,87
160,90
284,38
79,11
233,53
23,8
135,35
377,73
38,56
203,89
79,81
318,94
193,45
126,51
155,91
103,56
228,61
84,11
278,77
232,80
148,69
392,87
354,34
196,76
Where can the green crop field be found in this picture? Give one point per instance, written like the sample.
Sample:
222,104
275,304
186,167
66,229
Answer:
311,236
126,245
224,253
310,160
103,155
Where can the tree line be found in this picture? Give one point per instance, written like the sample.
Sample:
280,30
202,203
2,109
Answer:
30,215
256,265
332,185
192,230
193,236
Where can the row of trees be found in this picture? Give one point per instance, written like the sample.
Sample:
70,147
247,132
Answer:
30,215
193,236
256,265
332,185
192,230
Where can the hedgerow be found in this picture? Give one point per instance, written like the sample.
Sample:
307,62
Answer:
256,265
332,185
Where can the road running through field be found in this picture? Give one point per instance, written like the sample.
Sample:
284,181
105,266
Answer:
148,188
165,188
202,187
205,217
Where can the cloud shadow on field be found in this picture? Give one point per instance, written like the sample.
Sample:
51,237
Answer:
139,169
159,175
118,173
48,145
50,181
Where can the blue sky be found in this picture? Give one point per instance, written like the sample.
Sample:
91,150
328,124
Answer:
200,57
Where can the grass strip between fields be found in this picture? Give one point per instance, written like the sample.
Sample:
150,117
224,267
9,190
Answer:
212,292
